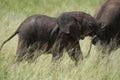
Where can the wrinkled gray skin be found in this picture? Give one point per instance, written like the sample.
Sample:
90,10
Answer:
108,18
40,31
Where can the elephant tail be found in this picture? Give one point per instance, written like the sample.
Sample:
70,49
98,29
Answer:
16,32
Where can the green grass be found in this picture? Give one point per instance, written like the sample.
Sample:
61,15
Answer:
13,12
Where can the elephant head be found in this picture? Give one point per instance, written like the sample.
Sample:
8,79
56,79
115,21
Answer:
77,24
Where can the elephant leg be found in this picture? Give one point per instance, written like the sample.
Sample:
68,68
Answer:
75,53
33,52
56,56
21,50
61,43
57,53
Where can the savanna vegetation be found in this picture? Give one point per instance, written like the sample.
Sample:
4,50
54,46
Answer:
94,67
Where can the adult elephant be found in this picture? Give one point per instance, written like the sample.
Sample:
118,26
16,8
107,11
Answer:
108,17
41,31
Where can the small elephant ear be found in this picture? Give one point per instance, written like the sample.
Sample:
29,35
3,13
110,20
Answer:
65,29
78,20
75,30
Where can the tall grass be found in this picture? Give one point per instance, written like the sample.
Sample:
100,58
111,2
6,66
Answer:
13,12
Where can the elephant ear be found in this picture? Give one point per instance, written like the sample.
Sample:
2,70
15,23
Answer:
72,27
74,30
65,29
78,21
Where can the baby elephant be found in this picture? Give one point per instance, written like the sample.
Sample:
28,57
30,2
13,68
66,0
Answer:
55,35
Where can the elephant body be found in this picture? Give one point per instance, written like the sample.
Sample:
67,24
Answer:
41,32
108,18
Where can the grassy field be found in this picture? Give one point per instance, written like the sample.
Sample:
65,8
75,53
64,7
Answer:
13,12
